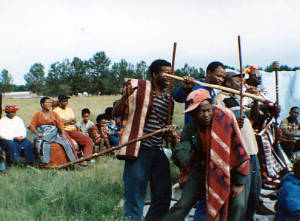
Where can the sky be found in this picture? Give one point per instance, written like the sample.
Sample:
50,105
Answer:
48,31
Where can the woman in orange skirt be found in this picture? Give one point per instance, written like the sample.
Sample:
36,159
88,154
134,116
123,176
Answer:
50,140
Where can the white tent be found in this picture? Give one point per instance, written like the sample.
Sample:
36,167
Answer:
289,89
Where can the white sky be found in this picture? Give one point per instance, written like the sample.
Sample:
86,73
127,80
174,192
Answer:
47,31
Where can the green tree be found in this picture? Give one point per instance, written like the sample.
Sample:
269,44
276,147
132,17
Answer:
141,70
98,70
57,81
122,70
78,77
35,78
281,68
6,82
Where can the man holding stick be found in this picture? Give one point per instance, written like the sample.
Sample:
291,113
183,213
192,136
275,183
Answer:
215,73
147,106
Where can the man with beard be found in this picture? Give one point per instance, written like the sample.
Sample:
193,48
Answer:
144,106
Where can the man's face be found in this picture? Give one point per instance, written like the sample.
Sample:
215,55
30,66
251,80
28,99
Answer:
255,77
63,103
86,117
203,113
162,81
217,76
294,113
234,83
11,115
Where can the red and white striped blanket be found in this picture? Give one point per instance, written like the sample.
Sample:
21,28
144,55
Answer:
139,103
226,152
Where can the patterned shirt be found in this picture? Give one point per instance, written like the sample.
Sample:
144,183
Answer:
290,126
157,119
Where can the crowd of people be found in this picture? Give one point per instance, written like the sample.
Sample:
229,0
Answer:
234,160
58,137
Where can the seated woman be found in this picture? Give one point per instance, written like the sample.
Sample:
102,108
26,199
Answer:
50,140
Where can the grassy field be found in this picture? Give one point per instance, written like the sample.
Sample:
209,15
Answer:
91,193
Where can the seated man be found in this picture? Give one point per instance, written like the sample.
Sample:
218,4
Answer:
13,135
289,127
288,204
68,117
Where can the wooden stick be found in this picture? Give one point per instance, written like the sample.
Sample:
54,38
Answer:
242,79
110,150
171,90
227,89
276,66
171,85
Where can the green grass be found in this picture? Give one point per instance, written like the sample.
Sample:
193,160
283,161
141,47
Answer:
91,193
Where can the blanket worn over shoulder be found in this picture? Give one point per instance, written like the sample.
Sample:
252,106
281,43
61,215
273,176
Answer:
43,144
226,152
139,104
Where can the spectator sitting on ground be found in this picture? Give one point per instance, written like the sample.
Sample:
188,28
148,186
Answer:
99,133
288,203
13,134
113,130
85,125
289,127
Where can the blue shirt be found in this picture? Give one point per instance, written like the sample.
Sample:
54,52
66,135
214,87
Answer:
180,96
288,203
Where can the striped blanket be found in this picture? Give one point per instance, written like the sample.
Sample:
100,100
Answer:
226,152
139,103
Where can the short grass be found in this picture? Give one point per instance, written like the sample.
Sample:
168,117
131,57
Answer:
91,193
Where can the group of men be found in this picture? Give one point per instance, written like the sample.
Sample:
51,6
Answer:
225,151
218,149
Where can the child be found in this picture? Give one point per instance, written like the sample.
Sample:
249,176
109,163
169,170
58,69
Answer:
288,203
113,130
99,133
85,125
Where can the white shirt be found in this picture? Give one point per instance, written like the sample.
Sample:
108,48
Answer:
11,128
85,127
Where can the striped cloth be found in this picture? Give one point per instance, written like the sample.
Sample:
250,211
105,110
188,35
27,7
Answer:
157,119
145,113
226,152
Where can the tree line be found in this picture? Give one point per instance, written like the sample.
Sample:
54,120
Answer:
96,75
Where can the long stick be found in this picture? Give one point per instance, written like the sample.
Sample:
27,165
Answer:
242,79
110,150
227,89
276,66
171,91
171,85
